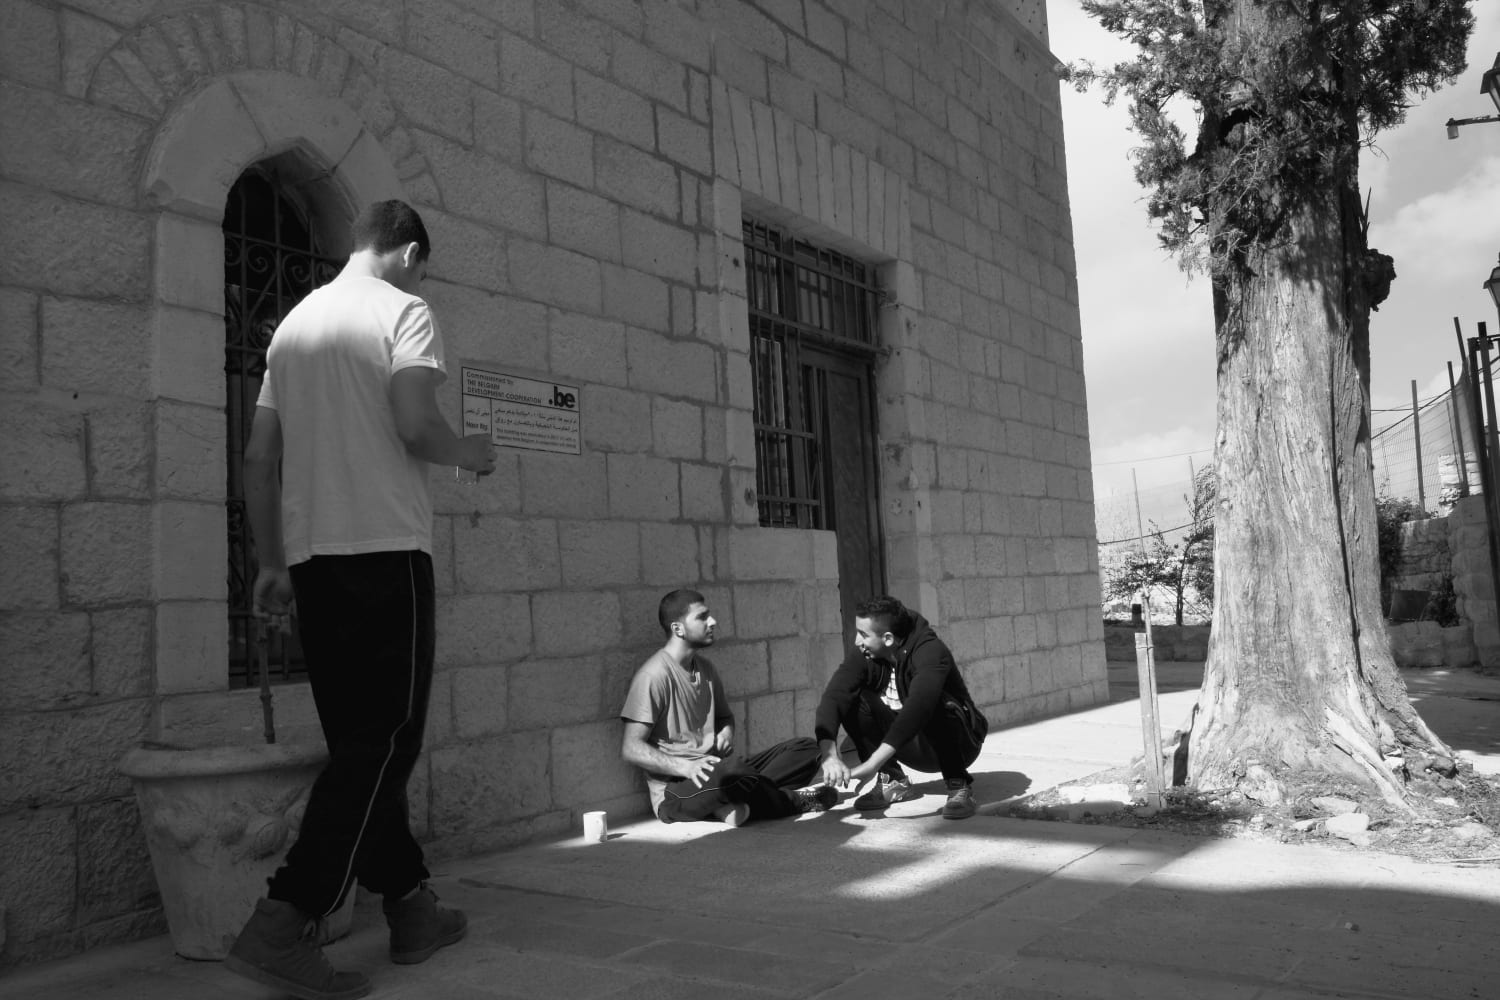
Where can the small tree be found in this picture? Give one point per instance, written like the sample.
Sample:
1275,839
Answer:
1185,571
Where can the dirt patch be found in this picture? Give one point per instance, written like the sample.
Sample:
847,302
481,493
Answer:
1455,817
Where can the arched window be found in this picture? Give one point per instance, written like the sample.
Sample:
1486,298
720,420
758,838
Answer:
276,250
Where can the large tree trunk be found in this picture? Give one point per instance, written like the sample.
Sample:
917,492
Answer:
1300,678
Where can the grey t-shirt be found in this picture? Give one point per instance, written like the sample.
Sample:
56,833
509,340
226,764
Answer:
685,707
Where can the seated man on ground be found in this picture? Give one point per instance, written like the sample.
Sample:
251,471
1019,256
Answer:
900,697
680,731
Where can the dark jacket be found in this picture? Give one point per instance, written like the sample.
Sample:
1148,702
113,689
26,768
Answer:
925,672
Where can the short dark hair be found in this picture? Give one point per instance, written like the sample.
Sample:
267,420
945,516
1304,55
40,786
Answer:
386,225
674,606
887,615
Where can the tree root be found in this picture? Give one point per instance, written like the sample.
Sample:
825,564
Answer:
1345,738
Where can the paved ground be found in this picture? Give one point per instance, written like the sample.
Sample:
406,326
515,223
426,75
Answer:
914,906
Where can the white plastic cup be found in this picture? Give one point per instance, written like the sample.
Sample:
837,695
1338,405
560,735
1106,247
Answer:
595,827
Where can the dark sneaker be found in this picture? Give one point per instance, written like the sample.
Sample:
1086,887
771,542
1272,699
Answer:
816,798
886,791
278,948
960,804
419,926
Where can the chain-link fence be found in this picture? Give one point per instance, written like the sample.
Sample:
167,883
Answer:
1427,453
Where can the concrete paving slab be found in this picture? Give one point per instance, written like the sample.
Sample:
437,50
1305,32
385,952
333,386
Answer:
907,904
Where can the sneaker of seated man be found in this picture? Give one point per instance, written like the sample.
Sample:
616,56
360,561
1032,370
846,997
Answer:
680,732
900,698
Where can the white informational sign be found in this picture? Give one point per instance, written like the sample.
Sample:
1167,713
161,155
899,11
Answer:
523,413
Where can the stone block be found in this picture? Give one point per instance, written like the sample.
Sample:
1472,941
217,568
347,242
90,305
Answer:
669,554
671,367
744,667
606,107
636,298
480,696
582,221
536,76
56,758
192,646
503,554
19,341
39,879
30,45
47,660
600,553
658,247
190,452
120,644
497,126
556,276
790,666
189,537
431,96
586,765
467,253
483,628
181,245
635,177
487,188
41,452
120,458
617,420
107,553
702,493
548,694
114,867
559,148
483,783
768,610
1416,644
769,554
482,327
684,141
73,148
676,429
188,355
453,37
584,347
29,551
567,486
769,719
643,488
1458,646
570,623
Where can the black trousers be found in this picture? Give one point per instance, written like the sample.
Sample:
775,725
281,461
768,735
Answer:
941,746
366,626
762,782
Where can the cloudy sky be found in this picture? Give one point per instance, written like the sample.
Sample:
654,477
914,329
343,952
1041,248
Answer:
1148,328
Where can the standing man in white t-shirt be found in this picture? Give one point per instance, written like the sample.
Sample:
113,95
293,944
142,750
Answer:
348,415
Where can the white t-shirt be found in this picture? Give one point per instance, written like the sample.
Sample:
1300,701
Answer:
349,485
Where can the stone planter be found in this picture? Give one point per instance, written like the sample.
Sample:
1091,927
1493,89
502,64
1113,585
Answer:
217,821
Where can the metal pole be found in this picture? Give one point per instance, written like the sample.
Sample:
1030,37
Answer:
1485,449
1145,665
1416,433
1458,433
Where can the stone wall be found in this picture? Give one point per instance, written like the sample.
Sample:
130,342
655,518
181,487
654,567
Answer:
1186,643
583,166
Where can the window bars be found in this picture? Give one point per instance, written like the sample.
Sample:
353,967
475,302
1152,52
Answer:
802,297
271,261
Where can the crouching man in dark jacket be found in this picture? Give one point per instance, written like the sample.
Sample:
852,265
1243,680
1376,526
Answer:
900,697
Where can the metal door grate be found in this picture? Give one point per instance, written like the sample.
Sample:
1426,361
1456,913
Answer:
800,295
271,261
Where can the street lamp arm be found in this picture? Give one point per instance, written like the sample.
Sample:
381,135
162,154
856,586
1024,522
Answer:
1454,123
